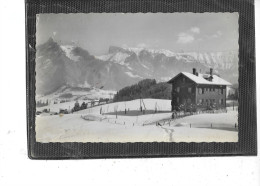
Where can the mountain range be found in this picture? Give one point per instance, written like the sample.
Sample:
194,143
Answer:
60,65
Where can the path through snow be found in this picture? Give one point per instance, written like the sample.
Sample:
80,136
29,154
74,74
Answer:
169,132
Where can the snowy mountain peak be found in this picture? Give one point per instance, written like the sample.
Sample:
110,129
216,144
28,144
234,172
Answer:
68,49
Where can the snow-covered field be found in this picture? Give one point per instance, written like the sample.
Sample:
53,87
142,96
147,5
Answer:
90,126
148,104
77,94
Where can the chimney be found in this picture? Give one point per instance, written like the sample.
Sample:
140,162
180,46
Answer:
211,71
194,71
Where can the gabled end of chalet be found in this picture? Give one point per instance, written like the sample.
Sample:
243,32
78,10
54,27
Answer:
196,91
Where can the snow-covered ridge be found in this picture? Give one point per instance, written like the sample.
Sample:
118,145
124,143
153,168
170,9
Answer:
68,52
222,60
168,53
118,57
105,57
132,75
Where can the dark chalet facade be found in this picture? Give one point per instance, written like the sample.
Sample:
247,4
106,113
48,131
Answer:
195,91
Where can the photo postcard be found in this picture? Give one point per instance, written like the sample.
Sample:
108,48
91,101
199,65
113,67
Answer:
123,77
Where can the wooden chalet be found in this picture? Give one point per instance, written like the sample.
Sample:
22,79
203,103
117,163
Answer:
195,91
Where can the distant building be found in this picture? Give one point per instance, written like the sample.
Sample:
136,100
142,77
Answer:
195,91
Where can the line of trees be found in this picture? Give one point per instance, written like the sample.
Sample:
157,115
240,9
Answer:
78,107
42,103
147,88
234,95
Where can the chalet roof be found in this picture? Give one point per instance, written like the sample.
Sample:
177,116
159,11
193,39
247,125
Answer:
201,80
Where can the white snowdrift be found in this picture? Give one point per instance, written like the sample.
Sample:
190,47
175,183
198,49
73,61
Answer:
72,128
149,104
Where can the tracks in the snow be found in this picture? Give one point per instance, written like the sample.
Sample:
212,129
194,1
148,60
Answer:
169,132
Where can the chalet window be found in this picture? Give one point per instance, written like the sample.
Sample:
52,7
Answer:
213,89
178,99
178,89
189,89
203,90
222,102
222,91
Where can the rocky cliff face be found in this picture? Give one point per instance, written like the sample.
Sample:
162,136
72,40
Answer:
61,65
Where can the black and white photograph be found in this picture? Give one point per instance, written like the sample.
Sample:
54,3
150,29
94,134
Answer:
130,92
124,77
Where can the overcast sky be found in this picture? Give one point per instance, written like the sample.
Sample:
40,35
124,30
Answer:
173,31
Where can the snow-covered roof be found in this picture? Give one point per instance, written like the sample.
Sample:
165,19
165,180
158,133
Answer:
216,80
